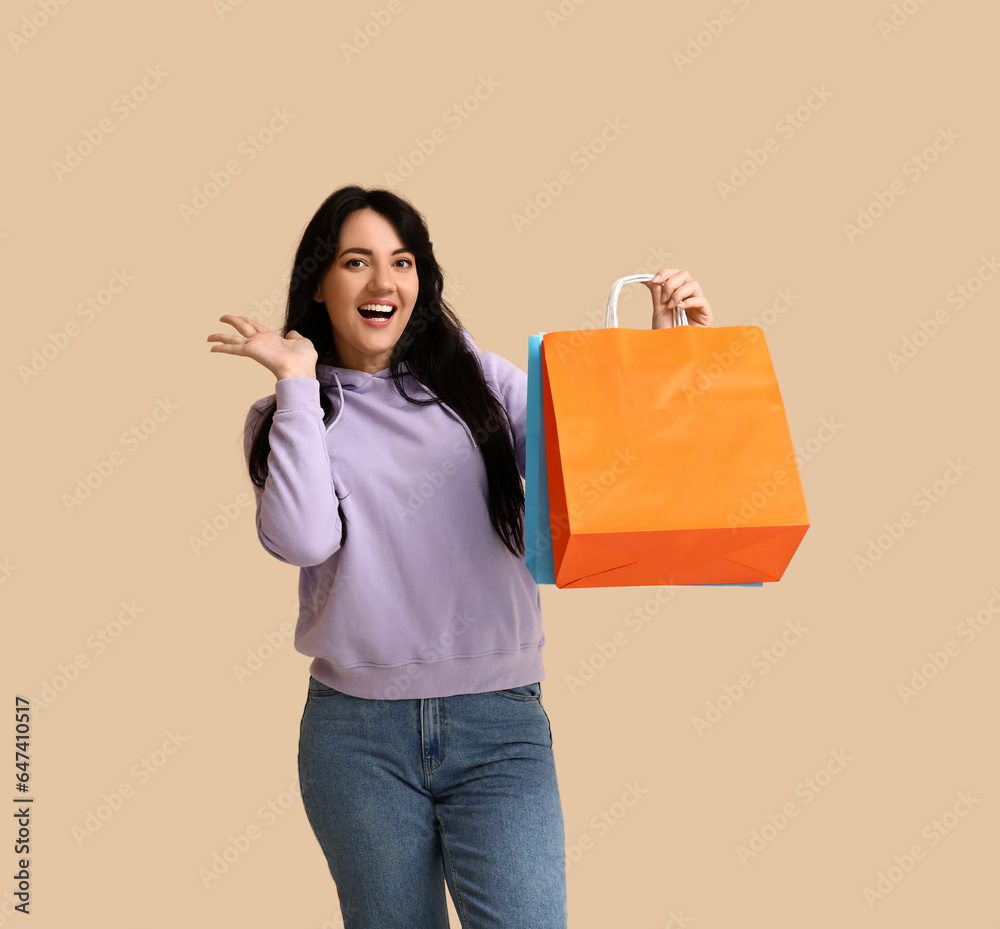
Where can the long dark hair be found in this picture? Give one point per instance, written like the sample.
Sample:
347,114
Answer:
431,345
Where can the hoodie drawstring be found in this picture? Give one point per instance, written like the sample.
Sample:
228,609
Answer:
462,421
340,391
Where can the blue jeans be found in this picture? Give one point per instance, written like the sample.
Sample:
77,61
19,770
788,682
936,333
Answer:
407,795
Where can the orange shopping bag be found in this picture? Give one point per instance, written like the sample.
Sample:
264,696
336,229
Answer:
668,456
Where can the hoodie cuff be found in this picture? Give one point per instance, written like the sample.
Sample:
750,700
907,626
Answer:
296,393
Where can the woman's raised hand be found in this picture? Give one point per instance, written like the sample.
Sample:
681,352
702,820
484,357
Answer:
672,287
292,356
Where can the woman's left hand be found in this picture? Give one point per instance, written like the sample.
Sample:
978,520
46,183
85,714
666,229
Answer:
674,286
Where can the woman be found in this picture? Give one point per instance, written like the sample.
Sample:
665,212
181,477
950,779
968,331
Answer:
387,465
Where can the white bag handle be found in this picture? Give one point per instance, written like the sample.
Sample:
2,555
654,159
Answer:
679,318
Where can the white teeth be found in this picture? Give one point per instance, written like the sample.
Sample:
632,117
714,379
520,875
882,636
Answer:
381,308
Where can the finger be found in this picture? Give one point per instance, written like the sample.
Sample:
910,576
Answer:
237,322
694,305
684,293
660,276
244,325
227,337
657,293
672,283
698,312
668,283
676,279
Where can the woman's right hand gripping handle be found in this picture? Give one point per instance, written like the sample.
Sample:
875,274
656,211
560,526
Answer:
292,356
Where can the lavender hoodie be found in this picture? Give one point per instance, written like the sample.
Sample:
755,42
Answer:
423,599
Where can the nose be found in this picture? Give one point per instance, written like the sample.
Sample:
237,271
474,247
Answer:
380,281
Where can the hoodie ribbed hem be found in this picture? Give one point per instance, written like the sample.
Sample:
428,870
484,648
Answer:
434,678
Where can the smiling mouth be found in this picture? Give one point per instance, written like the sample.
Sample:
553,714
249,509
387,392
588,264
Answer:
375,311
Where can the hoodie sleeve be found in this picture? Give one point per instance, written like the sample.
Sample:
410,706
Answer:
298,520
511,384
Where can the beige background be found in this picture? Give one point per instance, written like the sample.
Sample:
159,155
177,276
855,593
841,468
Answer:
673,857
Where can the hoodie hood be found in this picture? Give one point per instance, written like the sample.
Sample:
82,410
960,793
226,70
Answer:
350,379
331,375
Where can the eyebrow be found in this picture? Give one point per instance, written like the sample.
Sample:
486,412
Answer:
368,251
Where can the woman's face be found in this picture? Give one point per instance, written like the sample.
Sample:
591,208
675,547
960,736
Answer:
372,266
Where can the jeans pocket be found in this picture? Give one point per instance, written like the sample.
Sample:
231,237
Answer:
524,692
319,689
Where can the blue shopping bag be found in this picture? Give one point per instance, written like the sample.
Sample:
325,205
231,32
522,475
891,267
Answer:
537,527
537,531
